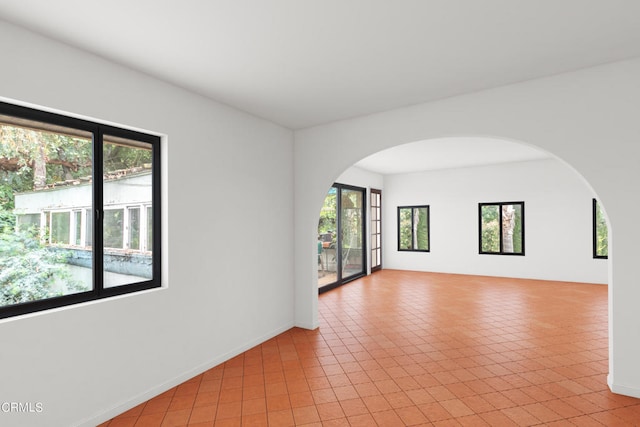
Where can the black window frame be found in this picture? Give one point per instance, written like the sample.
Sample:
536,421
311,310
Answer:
414,207
376,228
98,130
595,232
522,226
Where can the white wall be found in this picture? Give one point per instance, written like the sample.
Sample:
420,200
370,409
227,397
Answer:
227,201
361,178
558,221
588,118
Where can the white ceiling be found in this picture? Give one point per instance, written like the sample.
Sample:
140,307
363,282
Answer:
301,63
445,153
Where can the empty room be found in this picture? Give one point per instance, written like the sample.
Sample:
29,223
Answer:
319,213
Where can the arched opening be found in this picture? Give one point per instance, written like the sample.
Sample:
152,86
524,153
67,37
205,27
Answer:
543,166
584,118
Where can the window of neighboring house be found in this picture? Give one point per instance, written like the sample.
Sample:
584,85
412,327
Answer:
88,227
113,228
501,228
77,228
600,232
133,232
413,228
60,227
26,222
72,195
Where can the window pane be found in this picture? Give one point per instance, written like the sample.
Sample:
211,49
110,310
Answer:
352,238
512,228
134,228
490,228
41,169
127,180
327,235
421,228
404,229
77,223
28,222
149,229
602,239
60,227
88,236
508,228
113,228
47,227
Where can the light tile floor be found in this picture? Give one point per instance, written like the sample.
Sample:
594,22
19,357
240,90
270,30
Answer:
405,348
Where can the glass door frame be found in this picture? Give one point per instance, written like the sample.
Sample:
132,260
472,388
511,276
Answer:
340,280
376,229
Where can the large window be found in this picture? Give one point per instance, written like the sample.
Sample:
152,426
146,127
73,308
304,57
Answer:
79,210
413,228
502,228
600,232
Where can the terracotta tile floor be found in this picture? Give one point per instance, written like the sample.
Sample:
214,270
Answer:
405,348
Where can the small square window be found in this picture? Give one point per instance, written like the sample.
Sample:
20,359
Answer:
413,228
501,228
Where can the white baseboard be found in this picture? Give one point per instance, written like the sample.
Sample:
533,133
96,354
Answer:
623,389
166,385
310,326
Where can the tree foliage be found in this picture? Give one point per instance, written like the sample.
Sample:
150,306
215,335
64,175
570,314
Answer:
328,222
490,216
30,271
421,229
405,228
118,157
24,151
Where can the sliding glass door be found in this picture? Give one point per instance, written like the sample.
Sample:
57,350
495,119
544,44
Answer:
341,237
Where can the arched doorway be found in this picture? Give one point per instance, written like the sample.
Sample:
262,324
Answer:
586,118
567,170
